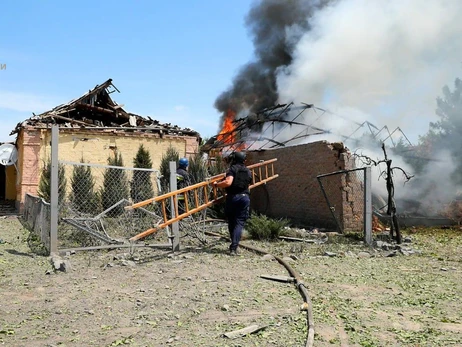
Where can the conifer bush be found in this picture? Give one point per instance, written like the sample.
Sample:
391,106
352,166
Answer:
170,155
115,186
197,168
141,185
84,197
44,187
263,228
216,167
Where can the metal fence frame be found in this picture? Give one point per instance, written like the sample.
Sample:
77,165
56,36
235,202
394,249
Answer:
37,216
47,222
367,195
54,201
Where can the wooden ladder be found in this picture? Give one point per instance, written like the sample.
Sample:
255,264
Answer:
200,196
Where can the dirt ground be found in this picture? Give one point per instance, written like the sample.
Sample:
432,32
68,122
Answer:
360,296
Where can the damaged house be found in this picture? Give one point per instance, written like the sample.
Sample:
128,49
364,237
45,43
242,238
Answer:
92,127
285,132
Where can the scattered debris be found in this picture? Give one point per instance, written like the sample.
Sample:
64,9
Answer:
60,264
129,263
285,238
377,225
244,331
268,257
288,260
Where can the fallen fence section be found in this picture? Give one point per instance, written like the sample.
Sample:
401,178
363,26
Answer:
200,196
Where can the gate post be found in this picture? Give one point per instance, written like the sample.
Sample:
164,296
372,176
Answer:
367,206
175,226
54,195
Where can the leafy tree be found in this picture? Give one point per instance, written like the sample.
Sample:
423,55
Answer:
449,110
115,186
44,187
84,198
141,184
170,155
446,133
415,156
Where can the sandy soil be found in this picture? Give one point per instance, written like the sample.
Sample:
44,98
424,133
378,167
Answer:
360,296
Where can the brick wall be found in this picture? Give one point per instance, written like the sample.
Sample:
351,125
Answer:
296,193
28,144
353,201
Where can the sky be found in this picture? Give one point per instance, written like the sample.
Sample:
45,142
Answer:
169,59
385,62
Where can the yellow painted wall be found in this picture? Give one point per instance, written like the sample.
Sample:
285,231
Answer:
10,193
95,148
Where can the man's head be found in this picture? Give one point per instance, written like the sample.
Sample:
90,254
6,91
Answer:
183,163
237,157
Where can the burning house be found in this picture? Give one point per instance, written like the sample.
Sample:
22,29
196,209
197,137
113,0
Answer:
309,51
282,132
91,127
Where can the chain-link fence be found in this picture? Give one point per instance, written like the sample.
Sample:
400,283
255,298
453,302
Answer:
345,196
36,216
92,201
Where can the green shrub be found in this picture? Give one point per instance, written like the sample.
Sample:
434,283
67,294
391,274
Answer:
170,155
115,186
44,187
84,197
141,185
215,167
263,228
197,168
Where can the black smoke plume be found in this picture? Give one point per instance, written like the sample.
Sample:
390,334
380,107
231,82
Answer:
275,27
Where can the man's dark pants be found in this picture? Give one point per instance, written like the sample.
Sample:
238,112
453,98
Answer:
237,212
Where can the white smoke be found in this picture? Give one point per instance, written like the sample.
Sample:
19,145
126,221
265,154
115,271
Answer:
386,59
378,62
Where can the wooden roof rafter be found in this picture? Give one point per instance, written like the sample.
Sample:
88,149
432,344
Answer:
96,109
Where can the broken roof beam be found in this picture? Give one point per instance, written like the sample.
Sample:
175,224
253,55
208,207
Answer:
95,108
70,120
116,107
113,86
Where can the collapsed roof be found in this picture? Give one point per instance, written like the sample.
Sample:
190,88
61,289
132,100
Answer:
264,129
96,110
284,125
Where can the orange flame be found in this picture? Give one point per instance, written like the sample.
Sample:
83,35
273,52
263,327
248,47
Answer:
227,134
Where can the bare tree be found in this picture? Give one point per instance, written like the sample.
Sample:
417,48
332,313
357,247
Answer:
388,176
